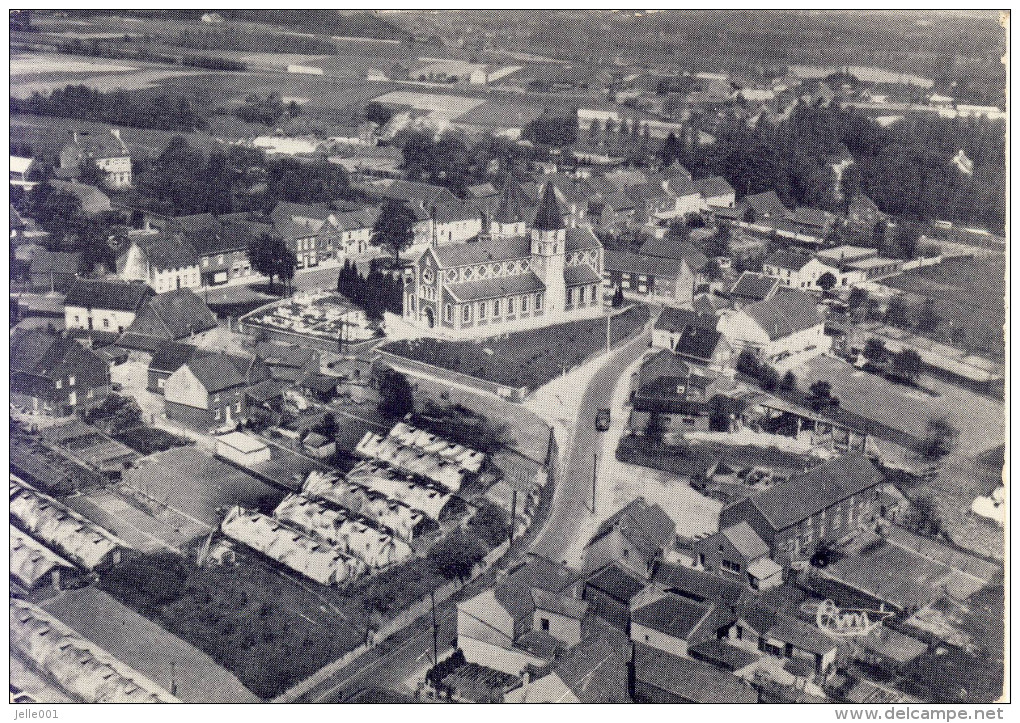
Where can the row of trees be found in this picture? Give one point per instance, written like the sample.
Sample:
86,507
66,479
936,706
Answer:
375,292
160,111
268,110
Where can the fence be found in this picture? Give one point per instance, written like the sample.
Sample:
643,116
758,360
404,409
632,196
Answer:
405,617
921,263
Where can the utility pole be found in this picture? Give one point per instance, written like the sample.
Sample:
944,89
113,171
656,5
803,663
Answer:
609,338
173,677
435,632
513,519
594,479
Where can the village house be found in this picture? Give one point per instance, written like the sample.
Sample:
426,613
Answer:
222,248
523,620
288,362
508,283
813,222
808,654
169,316
676,396
106,150
825,504
634,538
716,192
163,260
208,390
675,249
738,553
167,358
692,336
108,306
54,271
674,623
764,206
609,593
659,280
799,271
786,325
593,671
309,230
55,375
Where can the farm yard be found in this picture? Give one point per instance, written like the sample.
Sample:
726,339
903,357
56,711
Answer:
969,295
528,358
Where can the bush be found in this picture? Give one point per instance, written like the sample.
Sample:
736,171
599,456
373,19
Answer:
455,556
116,414
939,438
396,397
768,377
788,382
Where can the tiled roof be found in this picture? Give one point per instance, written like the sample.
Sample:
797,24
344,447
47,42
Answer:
580,274
713,186
482,190
99,145
172,356
698,343
167,250
111,295
698,585
808,216
746,541
723,655
766,203
215,372
675,320
562,604
38,353
671,248
806,494
477,252
595,670
616,583
676,616
544,574
647,526
581,237
639,264
788,312
57,262
496,288
284,354
183,312
754,286
689,679
90,196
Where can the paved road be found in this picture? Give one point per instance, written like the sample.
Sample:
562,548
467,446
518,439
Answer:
572,501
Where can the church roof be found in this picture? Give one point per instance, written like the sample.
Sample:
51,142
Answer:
512,202
497,288
549,216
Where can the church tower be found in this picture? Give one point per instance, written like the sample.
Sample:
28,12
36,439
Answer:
548,246
509,217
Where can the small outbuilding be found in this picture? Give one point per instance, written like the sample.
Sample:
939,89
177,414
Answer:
242,449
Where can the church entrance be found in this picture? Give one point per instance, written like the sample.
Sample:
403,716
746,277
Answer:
430,317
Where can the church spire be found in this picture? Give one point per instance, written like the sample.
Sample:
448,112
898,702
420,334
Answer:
549,216
510,206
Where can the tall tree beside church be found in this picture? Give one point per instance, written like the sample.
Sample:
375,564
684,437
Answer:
394,229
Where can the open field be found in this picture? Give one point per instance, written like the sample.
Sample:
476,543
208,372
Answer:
148,648
980,419
526,359
452,105
969,294
29,64
197,484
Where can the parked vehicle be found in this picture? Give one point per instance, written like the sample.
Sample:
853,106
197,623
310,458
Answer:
602,420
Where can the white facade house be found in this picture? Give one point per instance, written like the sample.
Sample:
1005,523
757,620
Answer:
108,306
162,262
798,271
784,327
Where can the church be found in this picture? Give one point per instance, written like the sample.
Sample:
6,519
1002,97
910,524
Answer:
515,277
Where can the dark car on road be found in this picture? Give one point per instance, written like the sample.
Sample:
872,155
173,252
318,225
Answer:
602,420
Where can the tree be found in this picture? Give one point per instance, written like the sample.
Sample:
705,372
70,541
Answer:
719,414
747,363
394,229
874,350
789,382
939,438
271,257
768,377
897,313
821,394
656,427
927,319
491,523
850,185
858,298
907,365
826,281
396,398
556,131
91,174
712,270
923,517
455,556
377,113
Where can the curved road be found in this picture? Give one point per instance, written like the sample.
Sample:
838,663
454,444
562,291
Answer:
572,499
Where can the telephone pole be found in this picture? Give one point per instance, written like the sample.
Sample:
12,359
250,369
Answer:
513,519
594,479
435,632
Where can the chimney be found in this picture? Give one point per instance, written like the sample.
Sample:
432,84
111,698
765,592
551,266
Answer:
116,133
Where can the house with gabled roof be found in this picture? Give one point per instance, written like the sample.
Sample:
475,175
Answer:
827,503
633,538
106,150
737,552
108,306
93,200
524,620
785,325
55,374
765,205
170,316
55,270
505,283
165,260
805,651
674,623
716,192
691,335
751,287
208,390
799,270
661,677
